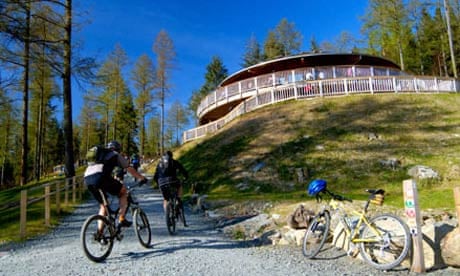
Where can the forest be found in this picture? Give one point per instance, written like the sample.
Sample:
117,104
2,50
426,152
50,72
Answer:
39,61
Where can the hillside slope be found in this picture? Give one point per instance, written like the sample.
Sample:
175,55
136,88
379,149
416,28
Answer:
343,140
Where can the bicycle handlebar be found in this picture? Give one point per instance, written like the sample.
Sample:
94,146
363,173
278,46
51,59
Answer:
335,196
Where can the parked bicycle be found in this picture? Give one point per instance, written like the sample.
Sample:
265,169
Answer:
383,240
99,232
174,211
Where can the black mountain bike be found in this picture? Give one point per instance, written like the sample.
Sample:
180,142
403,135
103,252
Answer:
98,233
174,211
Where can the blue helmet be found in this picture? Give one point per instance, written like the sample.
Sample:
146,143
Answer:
316,186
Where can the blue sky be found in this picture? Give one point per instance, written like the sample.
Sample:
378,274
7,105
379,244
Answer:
202,29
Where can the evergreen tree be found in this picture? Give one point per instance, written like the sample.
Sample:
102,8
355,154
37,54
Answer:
152,146
314,47
272,47
215,74
166,55
144,81
387,28
113,88
288,37
177,119
253,53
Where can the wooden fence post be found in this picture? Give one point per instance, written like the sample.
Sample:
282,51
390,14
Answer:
47,205
58,198
457,201
414,221
66,191
74,191
23,214
80,189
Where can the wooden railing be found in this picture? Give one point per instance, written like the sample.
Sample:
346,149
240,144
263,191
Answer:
318,88
64,192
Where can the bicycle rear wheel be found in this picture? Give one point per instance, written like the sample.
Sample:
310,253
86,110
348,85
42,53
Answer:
181,212
96,244
170,218
316,235
388,241
142,227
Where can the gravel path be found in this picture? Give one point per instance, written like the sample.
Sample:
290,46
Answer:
197,250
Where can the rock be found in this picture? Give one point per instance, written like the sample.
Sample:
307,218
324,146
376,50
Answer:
372,136
450,247
301,177
300,218
433,233
392,163
423,172
249,227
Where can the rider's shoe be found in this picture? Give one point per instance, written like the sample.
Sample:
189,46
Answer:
125,223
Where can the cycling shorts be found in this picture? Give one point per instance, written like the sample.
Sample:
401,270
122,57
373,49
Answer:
108,185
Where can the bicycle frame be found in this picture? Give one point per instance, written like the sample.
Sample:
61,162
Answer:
352,232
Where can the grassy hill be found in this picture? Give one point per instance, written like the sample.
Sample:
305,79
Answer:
329,138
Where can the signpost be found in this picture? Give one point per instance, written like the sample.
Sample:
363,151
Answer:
414,221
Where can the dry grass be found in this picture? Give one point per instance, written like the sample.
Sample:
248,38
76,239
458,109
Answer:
330,137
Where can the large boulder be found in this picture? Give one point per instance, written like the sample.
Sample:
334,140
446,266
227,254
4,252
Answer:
433,233
450,247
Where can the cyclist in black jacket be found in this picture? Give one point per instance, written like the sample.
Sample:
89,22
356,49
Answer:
166,176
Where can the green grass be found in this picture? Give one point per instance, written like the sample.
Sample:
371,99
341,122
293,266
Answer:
329,137
10,217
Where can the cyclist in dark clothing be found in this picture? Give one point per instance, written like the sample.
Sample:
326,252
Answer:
166,176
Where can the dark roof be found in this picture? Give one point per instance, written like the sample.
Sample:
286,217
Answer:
307,60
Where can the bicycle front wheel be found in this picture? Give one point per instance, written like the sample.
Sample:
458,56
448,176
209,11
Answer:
386,243
170,218
142,227
316,235
96,238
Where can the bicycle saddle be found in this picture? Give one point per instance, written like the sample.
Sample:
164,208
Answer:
374,192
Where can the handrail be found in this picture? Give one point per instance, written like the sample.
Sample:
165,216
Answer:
321,88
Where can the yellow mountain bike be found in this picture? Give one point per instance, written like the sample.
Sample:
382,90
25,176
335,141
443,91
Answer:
383,240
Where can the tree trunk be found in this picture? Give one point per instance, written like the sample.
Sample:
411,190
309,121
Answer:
25,100
68,132
451,43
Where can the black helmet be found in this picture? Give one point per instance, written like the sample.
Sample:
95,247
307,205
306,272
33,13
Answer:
114,145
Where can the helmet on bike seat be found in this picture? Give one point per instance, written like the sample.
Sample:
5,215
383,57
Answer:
114,145
316,186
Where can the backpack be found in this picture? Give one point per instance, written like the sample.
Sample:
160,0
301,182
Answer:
166,165
96,157
97,154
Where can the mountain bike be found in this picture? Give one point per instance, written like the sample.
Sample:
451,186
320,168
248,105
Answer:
98,232
383,240
174,211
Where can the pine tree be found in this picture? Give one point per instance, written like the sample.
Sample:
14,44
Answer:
272,47
215,74
288,37
177,119
253,53
166,55
387,28
144,81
